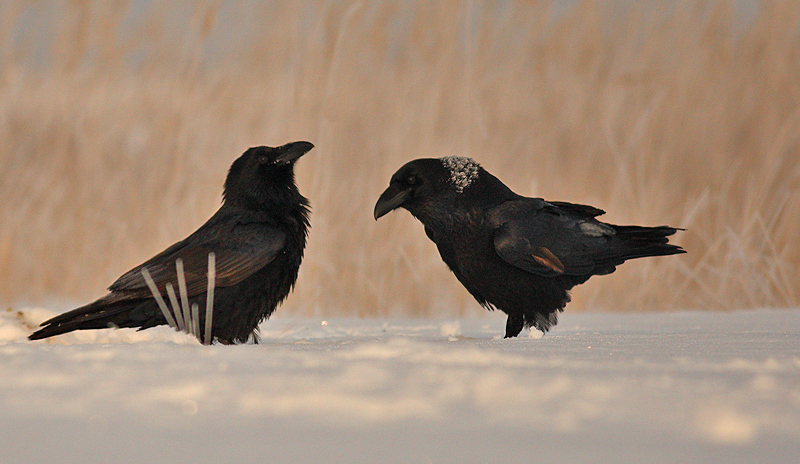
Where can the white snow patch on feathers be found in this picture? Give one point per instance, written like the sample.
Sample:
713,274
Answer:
463,171
596,229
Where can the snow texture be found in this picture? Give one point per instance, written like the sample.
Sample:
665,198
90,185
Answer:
655,388
596,229
463,171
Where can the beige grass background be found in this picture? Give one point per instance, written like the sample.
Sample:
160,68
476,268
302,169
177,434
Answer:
118,121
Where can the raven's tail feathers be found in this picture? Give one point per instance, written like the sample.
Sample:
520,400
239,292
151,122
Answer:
101,314
640,242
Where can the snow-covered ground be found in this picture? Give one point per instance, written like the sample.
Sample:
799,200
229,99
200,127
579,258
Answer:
621,388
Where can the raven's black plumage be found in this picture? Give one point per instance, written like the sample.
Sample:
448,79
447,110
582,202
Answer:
258,236
520,255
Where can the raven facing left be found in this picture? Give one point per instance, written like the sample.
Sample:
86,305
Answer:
521,255
258,236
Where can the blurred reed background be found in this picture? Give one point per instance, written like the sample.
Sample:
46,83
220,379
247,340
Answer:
118,121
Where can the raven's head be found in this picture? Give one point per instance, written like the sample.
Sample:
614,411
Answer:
263,172
427,180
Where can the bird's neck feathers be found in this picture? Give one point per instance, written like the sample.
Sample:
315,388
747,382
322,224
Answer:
277,197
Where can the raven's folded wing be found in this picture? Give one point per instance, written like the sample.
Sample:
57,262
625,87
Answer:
547,239
239,251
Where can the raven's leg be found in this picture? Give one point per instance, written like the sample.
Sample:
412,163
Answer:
514,325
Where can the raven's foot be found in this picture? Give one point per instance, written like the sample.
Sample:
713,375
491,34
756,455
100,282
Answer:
514,325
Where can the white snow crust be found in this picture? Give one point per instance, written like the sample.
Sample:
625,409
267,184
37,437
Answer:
463,171
622,388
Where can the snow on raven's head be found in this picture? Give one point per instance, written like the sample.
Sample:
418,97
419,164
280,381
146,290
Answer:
427,183
463,171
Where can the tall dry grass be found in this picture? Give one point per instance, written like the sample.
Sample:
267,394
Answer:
118,122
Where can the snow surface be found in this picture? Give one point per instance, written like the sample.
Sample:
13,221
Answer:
621,388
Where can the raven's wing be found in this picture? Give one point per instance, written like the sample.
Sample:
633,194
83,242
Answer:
240,249
549,239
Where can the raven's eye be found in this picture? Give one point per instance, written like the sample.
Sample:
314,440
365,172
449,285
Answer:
411,180
263,159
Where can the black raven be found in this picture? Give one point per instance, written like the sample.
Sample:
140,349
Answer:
521,255
257,236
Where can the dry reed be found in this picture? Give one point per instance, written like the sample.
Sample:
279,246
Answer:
118,122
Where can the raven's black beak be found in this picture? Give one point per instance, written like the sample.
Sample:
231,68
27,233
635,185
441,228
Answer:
390,199
292,151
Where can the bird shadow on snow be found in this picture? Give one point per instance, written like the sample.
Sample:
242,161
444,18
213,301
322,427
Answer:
17,324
